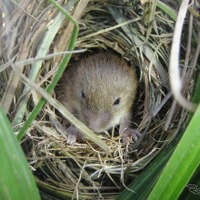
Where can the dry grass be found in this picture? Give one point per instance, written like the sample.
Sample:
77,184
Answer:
84,170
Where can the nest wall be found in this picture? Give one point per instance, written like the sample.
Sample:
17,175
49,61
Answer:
123,28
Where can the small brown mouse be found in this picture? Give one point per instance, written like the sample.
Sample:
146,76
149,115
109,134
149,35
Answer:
99,90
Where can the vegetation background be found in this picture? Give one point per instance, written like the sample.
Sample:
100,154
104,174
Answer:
39,40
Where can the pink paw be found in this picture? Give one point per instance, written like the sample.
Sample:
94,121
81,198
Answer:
128,132
72,134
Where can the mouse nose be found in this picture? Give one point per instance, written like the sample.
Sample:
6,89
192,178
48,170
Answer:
98,122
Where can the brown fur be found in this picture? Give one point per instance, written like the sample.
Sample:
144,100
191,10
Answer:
90,88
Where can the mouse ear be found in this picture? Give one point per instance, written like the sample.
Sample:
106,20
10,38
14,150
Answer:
117,101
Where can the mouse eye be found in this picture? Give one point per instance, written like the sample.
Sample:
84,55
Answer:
82,95
117,101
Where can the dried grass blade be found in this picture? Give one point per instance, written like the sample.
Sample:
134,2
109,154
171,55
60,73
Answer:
42,51
59,73
146,50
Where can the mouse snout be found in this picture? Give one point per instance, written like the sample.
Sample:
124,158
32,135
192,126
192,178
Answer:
98,122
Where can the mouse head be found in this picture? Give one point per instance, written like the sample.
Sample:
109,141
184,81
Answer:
102,89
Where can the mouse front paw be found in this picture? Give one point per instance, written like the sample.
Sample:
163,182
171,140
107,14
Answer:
128,132
72,134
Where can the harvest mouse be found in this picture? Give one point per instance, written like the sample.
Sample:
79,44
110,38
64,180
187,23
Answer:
99,90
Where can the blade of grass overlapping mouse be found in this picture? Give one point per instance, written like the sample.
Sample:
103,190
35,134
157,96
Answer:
41,52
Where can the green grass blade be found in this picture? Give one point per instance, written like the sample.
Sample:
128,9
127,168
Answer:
167,9
42,51
143,184
181,165
57,76
196,96
16,179
192,191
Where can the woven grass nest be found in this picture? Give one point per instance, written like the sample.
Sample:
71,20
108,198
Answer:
85,170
